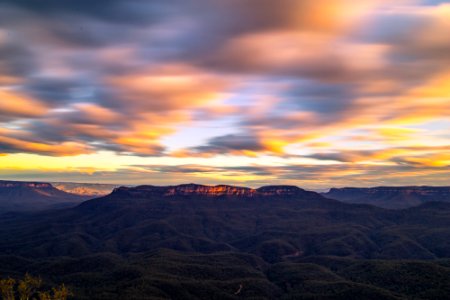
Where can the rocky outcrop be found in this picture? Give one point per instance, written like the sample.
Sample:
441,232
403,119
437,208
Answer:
211,191
22,184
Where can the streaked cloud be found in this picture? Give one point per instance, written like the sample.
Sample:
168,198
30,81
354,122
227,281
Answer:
318,92
17,105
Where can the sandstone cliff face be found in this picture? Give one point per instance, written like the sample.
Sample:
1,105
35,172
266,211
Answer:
219,190
211,191
19,184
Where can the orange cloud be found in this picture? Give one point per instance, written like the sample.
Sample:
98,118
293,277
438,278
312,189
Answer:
169,88
61,149
329,16
97,113
18,105
436,160
92,130
9,80
426,102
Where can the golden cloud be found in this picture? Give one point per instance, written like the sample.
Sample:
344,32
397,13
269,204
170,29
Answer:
14,104
61,149
97,113
170,87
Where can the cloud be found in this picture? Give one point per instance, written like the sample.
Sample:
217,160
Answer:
313,176
13,145
16,60
89,112
354,85
13,105
423,39
167,88
109,10
229,144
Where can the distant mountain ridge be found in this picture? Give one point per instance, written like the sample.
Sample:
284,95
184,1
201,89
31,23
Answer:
391,197
22,196
32,196
85,189
13,184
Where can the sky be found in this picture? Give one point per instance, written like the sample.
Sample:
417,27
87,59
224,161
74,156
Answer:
312,93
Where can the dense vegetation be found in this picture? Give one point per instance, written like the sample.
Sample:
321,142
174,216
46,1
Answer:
168,274
30,288
137,245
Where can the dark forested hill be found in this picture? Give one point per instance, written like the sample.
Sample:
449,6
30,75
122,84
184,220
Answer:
391,197
223,242
32,196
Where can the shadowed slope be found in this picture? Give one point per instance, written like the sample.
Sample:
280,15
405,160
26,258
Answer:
32,196
194,242
391,197
271,222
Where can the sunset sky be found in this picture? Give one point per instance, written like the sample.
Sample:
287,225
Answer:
315,93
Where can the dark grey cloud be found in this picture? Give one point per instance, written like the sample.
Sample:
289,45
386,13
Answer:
77,32
229,143
340,157
57,91
16,59
321,97
138,12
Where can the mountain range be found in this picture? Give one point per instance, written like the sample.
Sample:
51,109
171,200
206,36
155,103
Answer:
32,196
224,242
391,197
